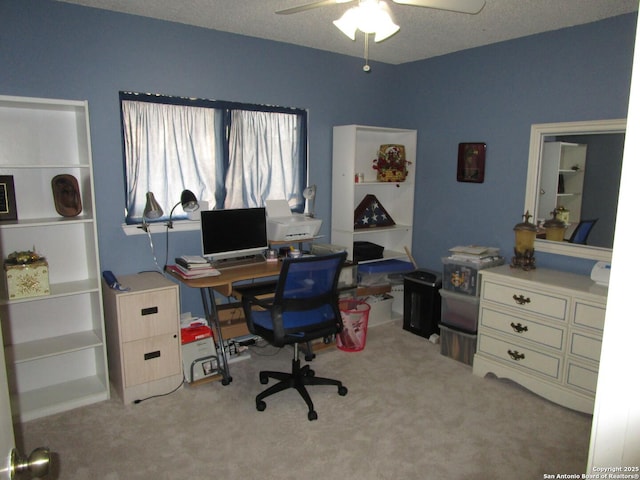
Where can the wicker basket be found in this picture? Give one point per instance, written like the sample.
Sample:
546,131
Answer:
391,175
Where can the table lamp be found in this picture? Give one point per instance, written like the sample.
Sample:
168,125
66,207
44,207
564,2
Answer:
525,238
554,228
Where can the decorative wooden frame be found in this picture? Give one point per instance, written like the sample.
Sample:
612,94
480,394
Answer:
471,162
8,210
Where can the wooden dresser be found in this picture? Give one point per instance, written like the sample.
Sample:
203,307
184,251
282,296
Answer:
542,329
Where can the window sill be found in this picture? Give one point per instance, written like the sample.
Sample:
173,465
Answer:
178,226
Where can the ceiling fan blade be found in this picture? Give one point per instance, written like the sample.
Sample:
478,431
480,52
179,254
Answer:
309,6
461,6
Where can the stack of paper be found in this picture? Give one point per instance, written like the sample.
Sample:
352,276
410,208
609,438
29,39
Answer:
474,253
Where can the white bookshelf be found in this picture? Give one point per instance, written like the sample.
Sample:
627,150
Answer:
54,344
354,149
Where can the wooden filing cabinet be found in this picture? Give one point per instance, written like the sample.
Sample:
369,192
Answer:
143,336
543,329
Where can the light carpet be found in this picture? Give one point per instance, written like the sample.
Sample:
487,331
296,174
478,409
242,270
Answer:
411,413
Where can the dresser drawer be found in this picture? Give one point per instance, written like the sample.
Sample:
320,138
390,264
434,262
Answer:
523,328
588,315
526,300
150,359
520,357
585,346
582,377
148,314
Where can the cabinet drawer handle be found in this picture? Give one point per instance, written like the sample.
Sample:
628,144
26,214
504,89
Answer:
149,311
521,300
519,328
517,356
150,355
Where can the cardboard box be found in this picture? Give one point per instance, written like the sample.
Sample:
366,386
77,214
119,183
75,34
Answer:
28,280
380,308
232,322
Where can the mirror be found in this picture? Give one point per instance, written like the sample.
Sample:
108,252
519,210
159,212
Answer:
586,132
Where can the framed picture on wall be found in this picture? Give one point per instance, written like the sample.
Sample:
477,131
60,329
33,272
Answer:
8,209
471,162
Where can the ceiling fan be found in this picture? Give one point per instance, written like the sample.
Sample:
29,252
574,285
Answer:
373,17
462,6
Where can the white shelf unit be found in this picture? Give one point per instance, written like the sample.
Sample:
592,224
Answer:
569,161
54,344
354,149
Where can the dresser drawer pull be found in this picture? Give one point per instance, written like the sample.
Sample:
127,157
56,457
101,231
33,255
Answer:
517,356
521,300
150,355
149,311
519,328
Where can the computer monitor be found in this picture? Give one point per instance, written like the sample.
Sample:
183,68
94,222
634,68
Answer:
233,233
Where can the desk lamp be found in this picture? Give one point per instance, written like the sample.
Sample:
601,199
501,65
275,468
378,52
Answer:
310,194
189,203
152,210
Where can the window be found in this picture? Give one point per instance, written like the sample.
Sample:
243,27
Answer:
230,155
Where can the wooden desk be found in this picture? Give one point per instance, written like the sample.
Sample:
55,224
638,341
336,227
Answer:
223,284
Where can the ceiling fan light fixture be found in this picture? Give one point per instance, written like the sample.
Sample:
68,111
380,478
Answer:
348,23
370,16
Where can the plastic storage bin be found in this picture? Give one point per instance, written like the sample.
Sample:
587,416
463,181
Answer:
458,345
355,320
459,311
462,276
375,273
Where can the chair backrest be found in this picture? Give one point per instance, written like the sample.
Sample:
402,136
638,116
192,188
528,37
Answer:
306,296
582,231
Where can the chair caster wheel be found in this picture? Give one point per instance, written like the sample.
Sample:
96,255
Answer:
264,379
342,391
260,406
312,415
226,381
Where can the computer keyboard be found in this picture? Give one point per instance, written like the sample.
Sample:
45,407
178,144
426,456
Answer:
227,263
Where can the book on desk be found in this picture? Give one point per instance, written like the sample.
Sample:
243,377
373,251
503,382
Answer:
188,273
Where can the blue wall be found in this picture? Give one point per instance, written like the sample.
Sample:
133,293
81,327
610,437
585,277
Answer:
491,94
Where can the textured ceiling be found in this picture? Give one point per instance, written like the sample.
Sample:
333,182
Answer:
424,32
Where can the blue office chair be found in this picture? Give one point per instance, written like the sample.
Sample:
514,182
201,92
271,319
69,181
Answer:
303,306
582,231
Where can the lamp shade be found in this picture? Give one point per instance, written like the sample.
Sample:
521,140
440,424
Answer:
370,16
152,208
189,201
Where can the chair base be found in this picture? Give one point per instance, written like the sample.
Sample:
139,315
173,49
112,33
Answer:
299,378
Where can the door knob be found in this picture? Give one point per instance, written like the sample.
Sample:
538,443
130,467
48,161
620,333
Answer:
35,466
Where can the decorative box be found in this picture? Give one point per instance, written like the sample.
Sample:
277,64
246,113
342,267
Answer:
27,280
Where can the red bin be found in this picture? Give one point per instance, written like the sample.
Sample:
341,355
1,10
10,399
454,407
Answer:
355,318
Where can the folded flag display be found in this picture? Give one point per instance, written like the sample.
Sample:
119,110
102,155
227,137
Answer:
371,213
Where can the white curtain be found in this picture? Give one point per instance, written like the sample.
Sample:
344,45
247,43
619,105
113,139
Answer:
264,159
169,148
